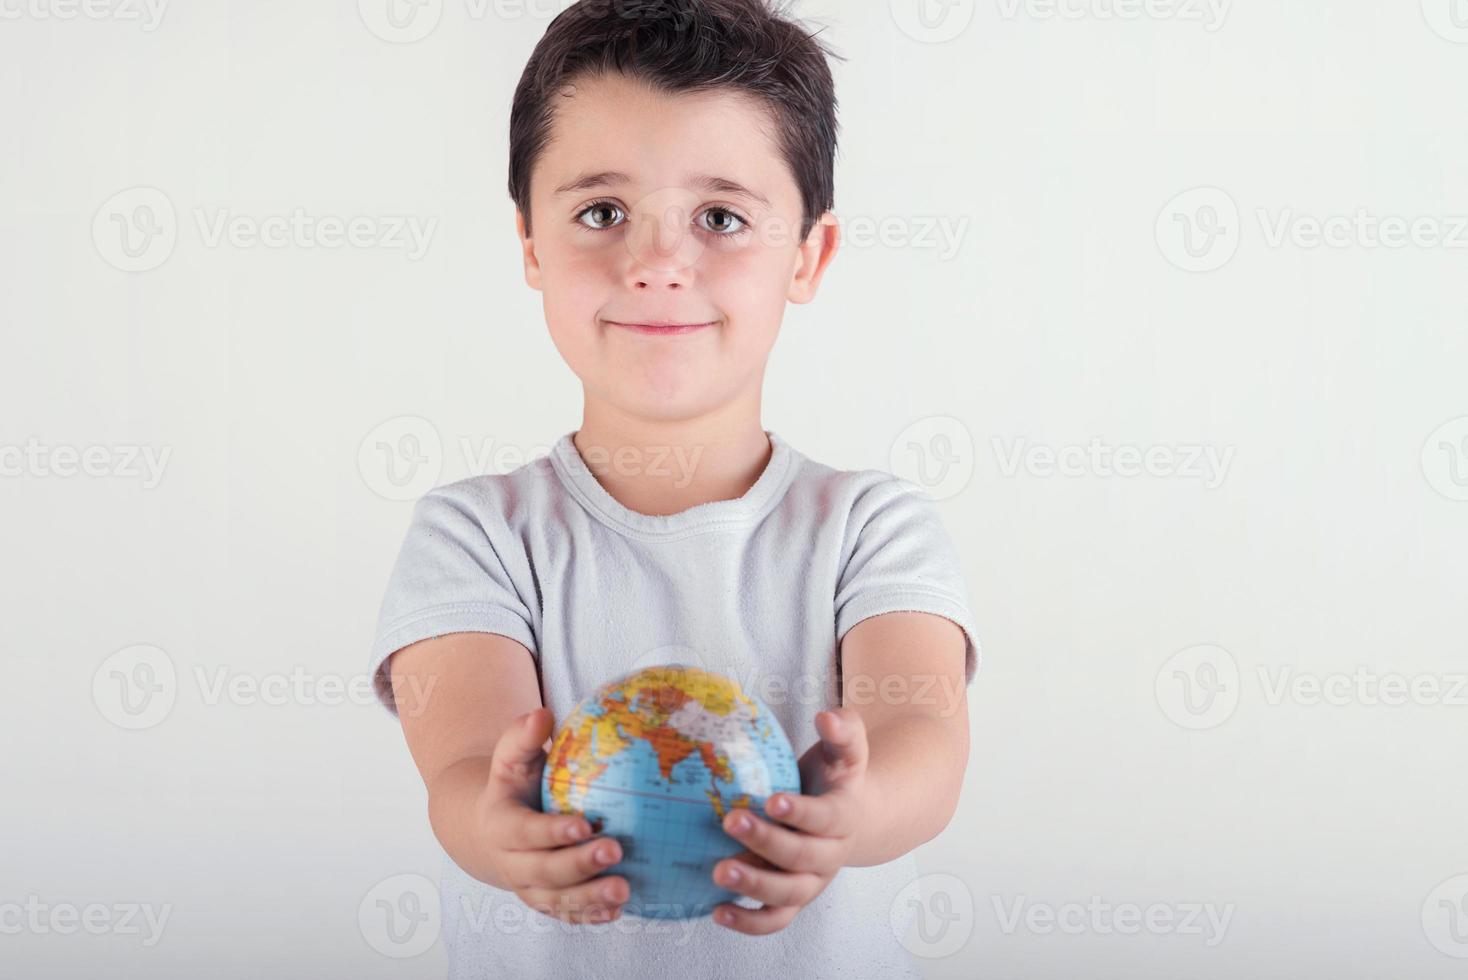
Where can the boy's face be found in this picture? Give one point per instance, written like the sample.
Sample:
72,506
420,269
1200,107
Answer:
634,220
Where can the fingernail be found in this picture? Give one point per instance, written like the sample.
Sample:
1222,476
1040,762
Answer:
779,805
574,831
604,854
741,823
609,893
726,917
732,875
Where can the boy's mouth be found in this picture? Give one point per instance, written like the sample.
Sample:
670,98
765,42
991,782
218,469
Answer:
662,327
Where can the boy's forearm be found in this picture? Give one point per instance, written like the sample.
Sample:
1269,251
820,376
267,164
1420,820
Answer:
915,770
453,801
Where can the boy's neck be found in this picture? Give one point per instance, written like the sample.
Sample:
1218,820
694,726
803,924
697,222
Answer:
659,467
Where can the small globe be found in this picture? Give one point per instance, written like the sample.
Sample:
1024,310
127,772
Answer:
656,759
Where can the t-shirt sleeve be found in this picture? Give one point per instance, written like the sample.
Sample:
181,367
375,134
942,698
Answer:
903,560
452,575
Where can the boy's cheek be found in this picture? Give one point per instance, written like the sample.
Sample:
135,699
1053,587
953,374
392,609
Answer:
748,268
579,277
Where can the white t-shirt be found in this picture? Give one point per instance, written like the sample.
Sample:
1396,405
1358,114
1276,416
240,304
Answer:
761,588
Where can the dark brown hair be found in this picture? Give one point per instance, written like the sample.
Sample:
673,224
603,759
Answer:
750,46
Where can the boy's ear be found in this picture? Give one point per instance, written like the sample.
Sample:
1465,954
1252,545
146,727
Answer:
527,249
816,252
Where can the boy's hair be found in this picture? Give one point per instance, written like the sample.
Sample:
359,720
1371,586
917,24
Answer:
750,46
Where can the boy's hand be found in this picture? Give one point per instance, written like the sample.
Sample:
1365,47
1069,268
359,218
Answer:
789,863
536,854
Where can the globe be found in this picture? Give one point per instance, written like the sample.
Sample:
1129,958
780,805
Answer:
656,759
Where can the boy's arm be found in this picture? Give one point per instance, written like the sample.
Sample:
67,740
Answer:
883,777
456,694
903,672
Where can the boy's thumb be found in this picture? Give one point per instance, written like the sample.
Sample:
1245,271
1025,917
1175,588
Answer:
524,741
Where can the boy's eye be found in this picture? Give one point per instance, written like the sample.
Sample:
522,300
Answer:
601,215
722,221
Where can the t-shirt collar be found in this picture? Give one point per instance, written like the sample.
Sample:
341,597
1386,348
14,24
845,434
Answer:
756,501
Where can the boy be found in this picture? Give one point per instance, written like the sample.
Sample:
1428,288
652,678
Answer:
672,167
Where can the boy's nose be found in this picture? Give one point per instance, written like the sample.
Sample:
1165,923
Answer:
653,280
661,269
661,241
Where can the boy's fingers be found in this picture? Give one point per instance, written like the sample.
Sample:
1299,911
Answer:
592,901
825,815
788,850
770,888
562,867
523,828
755,922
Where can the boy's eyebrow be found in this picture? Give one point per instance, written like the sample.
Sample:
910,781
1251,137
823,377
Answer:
607,178
723,185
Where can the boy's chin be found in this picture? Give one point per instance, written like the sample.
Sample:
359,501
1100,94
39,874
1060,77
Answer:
687,401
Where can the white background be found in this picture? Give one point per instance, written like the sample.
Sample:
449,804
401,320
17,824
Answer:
1130,742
